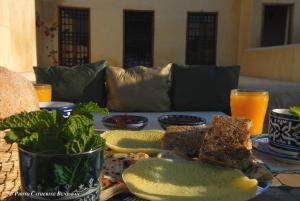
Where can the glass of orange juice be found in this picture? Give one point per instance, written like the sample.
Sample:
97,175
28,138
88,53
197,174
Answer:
44,92
250,104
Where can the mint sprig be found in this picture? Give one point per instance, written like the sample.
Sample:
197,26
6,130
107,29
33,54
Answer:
48,132
296,111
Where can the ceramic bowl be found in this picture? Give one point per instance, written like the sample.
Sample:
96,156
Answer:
125,122
282,135
66,107
180,120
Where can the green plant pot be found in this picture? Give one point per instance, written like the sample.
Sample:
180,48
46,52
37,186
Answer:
61,176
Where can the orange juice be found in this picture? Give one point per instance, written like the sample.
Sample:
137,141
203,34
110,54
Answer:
44,92
251,105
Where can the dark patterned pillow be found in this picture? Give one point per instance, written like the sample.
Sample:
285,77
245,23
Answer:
81,83
203,88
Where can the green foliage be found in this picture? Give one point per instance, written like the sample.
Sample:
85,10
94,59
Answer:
296,111
87,109
63,174
48,132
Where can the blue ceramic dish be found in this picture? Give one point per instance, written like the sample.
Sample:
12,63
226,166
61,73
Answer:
125,122
66,107
261,144
180,120
282,135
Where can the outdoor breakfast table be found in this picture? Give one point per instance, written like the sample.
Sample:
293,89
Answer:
286,182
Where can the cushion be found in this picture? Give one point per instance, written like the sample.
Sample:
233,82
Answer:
81,83
138,89
203,88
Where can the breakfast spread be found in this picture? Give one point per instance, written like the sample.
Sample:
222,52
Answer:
188,163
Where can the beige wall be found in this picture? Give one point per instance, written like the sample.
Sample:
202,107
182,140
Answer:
239,31
279,62
17,34
170,28
258,20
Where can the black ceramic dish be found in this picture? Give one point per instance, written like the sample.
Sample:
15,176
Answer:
180,120
125,122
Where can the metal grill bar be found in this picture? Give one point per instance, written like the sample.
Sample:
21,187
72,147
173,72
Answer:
201,39
74,36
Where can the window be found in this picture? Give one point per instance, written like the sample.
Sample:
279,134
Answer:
276,25
74,36
138,38
201,39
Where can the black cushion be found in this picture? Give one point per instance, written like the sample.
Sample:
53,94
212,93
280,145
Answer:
82,83
203,88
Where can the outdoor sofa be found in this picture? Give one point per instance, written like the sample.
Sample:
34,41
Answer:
175,88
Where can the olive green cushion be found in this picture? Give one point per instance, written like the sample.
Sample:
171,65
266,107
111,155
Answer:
203,88
81,83
138,89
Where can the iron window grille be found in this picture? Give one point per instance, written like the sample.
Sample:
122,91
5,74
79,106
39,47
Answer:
201,38
74,36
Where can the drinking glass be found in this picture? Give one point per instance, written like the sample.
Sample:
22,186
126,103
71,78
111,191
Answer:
250,104
44,92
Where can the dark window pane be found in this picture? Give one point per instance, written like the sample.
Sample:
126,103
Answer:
275,25
138,38
74,36
201,39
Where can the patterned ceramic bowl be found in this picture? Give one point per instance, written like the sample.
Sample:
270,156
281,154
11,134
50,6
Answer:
66,107
282,135
180,120
125,122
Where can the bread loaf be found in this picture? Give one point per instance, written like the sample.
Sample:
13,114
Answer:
227,142
16,94
185,139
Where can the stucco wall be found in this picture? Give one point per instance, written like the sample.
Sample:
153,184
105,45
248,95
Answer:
17,34
258,20
278,63
170,28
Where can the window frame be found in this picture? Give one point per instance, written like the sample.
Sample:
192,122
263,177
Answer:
216,33
59,28
289,28
153,32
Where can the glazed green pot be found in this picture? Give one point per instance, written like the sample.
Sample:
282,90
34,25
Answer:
60,176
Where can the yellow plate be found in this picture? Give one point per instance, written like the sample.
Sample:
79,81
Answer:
146,141
176,180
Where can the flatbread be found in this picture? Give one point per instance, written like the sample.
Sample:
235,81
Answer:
124,141
178,180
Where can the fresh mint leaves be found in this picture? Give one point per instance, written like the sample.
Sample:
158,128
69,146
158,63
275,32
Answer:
48,132
87,109
296,111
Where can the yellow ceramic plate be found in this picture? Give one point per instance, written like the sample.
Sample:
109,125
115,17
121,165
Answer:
145,141
177,180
